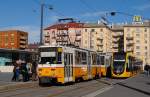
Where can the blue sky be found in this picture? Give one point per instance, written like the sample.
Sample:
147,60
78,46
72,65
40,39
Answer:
25,14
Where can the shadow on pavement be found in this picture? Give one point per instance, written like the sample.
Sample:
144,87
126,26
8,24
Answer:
138,90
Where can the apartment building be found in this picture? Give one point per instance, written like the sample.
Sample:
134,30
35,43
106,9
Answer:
63,34
97,37
117,38
137,40
13,39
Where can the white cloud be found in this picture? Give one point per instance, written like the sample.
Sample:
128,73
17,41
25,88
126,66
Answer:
33,32
142,7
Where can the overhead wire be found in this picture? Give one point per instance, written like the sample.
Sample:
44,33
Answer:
48,6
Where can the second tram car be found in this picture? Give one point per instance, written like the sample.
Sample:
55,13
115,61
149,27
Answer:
105,64
125,65
61,64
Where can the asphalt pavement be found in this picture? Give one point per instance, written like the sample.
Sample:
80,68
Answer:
138,86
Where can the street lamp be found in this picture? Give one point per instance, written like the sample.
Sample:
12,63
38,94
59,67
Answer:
42,14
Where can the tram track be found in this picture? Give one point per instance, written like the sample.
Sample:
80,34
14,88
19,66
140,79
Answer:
52,90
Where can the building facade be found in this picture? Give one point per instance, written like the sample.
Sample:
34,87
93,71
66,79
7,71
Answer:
97,37
63,34
13,39
137,40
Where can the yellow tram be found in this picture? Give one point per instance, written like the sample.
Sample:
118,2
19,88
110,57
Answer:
61,64
125,65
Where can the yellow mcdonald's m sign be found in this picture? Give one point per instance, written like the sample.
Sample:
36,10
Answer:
137,19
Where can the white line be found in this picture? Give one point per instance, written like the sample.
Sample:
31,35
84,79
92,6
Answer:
93,94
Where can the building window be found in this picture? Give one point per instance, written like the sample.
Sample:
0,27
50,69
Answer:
85,30
137,41
145,41
145,30
145,47
145,35
101,30
137,35
137,47
12,39
128,29
6,39
85,41
137,30
92,30
128,35
146,54
137,53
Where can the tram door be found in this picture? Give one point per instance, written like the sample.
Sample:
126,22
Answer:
68,66
89,65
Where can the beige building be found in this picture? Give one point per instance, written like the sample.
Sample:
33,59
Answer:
91,36
137,39
97,37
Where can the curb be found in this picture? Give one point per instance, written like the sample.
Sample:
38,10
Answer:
15,86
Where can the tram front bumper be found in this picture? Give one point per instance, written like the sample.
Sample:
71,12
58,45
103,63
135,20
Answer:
47,80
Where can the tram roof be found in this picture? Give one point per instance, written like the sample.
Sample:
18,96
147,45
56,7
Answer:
15,50
66,46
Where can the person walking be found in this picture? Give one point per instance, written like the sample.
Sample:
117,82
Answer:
34,71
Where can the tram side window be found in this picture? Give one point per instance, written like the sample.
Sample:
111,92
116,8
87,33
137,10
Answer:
98,60
84,58
77,57
102,60
129,65
59,59
93,59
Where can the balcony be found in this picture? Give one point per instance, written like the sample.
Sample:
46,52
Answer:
23,42
23,38
99,38
99,44
78,33
115,45
129,38
130,44
78,39
115,41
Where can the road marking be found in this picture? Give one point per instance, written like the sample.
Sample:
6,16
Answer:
93,94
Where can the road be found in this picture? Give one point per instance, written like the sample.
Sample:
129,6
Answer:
133,87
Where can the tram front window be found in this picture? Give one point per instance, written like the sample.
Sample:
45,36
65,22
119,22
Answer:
52,60
118,67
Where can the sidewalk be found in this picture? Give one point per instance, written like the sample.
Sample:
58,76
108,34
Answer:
5,82
140,83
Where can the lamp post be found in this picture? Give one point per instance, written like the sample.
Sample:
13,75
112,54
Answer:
42,17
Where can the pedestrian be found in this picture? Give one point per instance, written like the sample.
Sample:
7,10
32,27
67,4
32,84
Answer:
29,66
146,68
24,72
14,71
34,71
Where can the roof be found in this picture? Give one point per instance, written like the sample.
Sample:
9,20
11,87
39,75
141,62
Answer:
13,31
15,50
65,26
93,25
